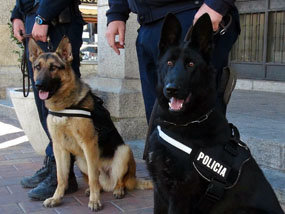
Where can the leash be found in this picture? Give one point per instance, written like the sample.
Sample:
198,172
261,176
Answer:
24,64
24,67
223,27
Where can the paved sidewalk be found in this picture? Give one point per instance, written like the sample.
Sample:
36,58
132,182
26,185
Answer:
21,160
260,117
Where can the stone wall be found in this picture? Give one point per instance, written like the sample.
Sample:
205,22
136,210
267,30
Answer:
10,75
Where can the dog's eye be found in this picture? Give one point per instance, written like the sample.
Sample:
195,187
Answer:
190,64
170,63
53,67
38,67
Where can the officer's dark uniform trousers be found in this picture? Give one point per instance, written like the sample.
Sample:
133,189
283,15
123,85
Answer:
147,51
74,32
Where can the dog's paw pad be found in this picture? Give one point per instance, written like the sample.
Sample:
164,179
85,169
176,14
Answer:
51,202
119,193
95,205
87,192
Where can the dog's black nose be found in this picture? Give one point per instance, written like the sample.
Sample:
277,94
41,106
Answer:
171,89
39,84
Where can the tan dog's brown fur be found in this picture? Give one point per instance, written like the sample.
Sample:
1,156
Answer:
78,135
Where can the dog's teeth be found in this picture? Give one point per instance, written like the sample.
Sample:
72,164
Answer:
169,104
181,105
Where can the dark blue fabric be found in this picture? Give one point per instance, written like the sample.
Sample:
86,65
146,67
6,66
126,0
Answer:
147,51
152,10
74,32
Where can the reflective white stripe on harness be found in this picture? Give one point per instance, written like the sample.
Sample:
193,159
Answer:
173,142
73,111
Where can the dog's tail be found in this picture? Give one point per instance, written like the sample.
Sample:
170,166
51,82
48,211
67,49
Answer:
139,183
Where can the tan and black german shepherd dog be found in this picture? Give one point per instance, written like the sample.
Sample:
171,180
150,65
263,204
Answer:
95,142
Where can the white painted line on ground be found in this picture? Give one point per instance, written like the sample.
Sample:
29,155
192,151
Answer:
14,142
8,129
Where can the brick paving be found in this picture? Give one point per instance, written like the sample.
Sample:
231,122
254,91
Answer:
21,160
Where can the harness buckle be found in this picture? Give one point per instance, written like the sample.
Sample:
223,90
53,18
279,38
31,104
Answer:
215,190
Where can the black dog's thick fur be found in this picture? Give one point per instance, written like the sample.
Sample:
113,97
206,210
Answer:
186,91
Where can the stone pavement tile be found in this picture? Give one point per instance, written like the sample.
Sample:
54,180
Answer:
15,161
10,181
108,208
16,173
141,211
4,191
17,189
31,166
142,193
21,155
105,197
37,206
10,209
12,136
134,203
47,211
2,157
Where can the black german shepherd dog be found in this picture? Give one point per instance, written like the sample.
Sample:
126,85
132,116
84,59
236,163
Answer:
195,157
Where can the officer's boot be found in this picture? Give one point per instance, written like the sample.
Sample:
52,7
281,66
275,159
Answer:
38,177
47,187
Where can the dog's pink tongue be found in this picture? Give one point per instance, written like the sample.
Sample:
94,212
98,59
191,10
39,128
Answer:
43,95
176,104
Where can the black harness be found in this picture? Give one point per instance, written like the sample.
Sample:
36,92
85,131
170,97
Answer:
220,165
102,122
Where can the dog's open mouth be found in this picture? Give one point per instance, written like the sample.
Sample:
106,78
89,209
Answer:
43,94
176,104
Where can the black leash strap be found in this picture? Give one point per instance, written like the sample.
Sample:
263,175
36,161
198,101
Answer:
25,72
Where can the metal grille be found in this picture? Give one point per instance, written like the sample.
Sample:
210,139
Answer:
276,37
249,47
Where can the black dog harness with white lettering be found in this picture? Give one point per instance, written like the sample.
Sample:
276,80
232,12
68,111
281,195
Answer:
220,165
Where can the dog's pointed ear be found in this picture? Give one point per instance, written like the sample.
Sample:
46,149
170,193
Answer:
64,49
170,33
34,50
202,34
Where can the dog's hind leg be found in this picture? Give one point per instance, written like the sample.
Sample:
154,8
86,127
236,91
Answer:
62,158
122,173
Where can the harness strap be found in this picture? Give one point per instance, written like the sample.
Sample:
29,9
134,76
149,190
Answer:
71,113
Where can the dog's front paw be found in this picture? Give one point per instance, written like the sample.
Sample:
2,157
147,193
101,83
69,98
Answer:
119,193
95,205
51,202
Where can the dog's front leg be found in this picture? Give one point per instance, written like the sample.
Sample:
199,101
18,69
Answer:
62,158
91,152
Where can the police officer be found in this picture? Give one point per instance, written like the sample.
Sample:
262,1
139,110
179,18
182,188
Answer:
150,17
43,19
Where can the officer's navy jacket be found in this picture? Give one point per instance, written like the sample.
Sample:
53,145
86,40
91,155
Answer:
152,10
48,9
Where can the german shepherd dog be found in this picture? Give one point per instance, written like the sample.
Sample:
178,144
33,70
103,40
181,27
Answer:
97,146
195,157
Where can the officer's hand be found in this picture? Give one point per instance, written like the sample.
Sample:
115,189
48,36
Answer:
216,18
18,29
116,28
39,32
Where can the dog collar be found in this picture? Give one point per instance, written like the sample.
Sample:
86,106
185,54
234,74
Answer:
71,113
199,120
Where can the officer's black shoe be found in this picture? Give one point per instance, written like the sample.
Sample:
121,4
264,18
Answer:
38,177
47,187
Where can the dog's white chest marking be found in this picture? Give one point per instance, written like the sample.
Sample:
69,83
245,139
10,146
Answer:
212,164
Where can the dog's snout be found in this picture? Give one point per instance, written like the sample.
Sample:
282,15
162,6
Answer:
39,84
171,89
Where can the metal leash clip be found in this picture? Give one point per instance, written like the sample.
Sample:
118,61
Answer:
223,27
